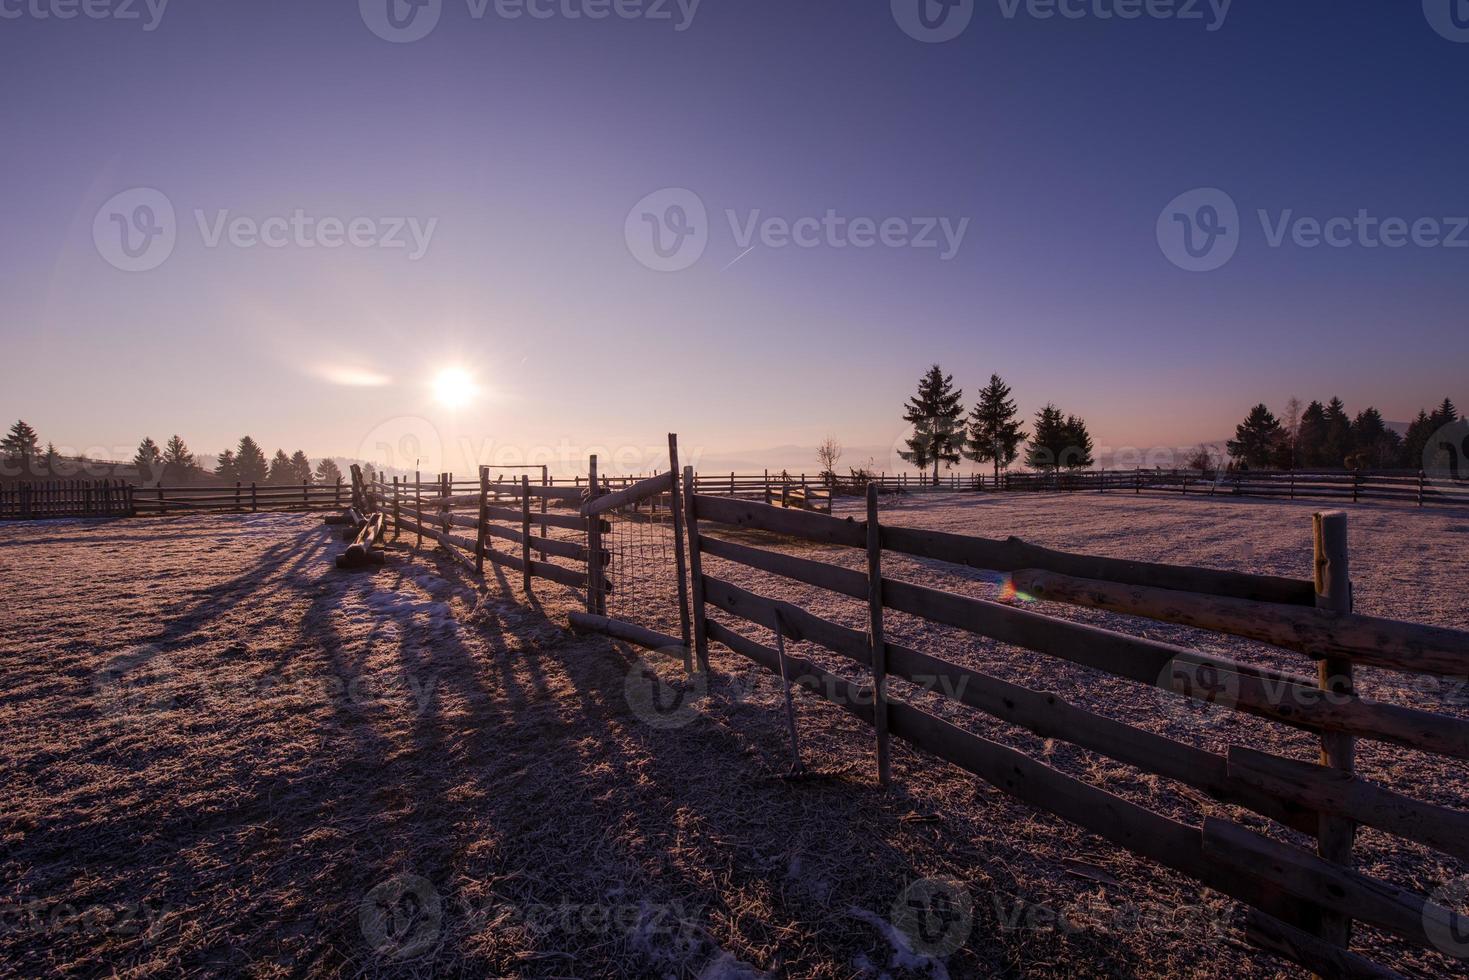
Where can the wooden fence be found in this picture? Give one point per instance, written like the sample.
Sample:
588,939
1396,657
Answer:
49,499
1301,903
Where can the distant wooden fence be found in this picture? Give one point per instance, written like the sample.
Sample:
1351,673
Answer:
1341,485
49,499
1301,903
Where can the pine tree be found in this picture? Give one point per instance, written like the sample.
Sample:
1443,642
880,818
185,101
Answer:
1257,438
1076,453
328,472
227,469
1377,446
300,467
994,434
21,446
1292,427
281,471
250,464
178,461
1338,434
1420,430
1311,436
937,419
149,461
51,460
1047,440
1445,414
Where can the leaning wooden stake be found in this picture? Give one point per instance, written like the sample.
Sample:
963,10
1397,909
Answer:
675,507
879,650
1338,750
785,683
524,530
696,571
596,604
481,532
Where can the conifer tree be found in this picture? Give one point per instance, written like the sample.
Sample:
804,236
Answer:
937,419
148,460
300,467
1445,414
1420,430
994,434
20,447
227,469
178,461
1338,444
328,472
1311,436
1047,440
281,471
1076,451
1257,438
250,464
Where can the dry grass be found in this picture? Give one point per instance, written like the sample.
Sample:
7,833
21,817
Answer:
211,732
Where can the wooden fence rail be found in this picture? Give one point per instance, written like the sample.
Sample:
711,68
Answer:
1302,901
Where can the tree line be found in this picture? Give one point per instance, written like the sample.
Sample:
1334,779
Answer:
991,432
175,463
1327,437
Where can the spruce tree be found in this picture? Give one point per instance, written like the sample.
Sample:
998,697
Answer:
281,471
1445,414
328,472
1047,440
1311,436
300,467
250,464
1420,430
1256,439
1338,444
937,419
1076,451
21,446
994,434
149,461
51,460
178,461
227,469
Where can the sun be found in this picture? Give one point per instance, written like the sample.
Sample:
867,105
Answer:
454,388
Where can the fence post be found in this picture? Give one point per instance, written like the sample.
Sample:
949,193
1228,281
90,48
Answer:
254,501
696,570
1356,484
1137,481
131,504
675,508
595,604
397,518
1334,591
417,504
162,504
444,491
1420,488
545,482
481,534
1293,484
875,638
525,530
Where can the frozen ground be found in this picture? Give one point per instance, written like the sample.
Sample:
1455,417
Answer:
221,754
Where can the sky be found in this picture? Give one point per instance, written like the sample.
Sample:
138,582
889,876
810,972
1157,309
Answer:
752,222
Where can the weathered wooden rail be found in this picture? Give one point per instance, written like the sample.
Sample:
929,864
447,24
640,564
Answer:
1302,901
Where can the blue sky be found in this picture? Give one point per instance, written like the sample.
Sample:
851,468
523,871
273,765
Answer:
521,148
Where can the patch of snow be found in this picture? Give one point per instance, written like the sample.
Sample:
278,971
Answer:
904,956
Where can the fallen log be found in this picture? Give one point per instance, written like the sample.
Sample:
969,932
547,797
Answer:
361,551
